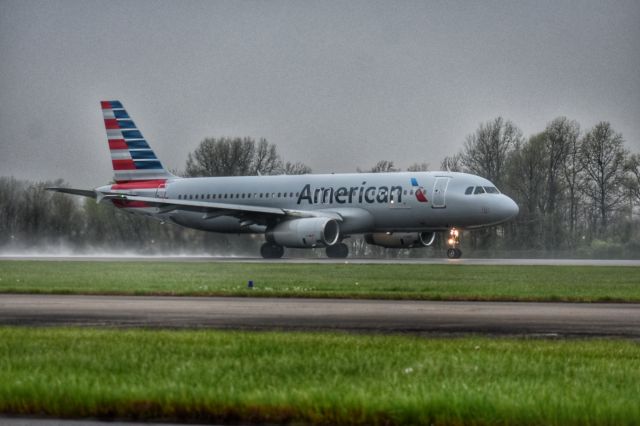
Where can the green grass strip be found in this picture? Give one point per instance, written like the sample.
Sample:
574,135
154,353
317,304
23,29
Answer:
215,376
381,281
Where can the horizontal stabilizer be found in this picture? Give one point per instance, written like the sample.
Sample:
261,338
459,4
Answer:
84,192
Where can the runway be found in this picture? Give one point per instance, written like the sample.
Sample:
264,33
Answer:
109,257
367,316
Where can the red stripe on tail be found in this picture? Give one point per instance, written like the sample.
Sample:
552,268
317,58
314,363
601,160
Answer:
111,123
117,144
123,164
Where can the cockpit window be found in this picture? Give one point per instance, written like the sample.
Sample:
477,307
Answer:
479,190
491,190
469,190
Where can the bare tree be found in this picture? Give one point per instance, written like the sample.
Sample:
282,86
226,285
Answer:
381,166
296,169
526,181
633,176
603,158
560,134
418,167
572,169
233,157
11,192
485,151
559,137
452,163
266,160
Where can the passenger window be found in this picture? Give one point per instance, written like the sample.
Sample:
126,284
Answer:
191,196
469,190
179,197
279,194
479,190
243,195
291,194
226,195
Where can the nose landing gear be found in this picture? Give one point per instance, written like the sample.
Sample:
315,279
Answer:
453,252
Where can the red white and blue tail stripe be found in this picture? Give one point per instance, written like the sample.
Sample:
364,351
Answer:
131,156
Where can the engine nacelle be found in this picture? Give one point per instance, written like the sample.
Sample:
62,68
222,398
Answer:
305,232
401,239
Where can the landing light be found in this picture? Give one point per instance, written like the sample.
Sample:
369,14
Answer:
454,237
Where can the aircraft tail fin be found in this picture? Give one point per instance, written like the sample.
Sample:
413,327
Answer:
131,156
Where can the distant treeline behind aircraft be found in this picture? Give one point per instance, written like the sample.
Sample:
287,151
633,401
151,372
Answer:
578,192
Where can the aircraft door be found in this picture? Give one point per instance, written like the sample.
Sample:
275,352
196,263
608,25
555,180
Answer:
161,192
440,192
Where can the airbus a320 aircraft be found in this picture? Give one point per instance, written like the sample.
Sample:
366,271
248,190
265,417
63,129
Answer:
396,210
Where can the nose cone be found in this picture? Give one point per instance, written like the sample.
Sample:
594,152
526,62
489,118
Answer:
508,209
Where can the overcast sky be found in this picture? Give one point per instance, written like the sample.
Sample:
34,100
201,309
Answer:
336,85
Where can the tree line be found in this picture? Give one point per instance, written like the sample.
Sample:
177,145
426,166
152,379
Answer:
577,190
578,193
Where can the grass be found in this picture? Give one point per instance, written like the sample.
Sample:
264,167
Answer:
215,376
383,281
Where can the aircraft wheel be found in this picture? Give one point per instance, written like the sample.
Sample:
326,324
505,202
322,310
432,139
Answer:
271,251
453,253
458,253
338,251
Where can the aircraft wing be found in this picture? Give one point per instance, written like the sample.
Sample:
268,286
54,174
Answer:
167,205
212,209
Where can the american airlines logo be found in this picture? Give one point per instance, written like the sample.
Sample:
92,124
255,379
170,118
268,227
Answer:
359,194
420,194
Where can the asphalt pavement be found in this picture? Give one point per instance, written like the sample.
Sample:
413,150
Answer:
300,314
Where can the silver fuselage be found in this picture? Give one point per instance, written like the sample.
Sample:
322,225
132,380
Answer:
367,202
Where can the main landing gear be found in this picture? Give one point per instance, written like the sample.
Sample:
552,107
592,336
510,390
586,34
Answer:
271,251
275,251
453,252
337,251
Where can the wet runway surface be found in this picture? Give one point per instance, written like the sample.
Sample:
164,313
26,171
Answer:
424,261
367,316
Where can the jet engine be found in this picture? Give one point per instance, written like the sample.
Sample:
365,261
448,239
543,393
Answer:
305,232
401,239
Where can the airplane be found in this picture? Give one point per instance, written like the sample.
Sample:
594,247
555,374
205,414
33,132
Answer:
393,210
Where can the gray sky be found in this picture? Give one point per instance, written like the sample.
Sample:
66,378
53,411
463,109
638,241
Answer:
336,85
